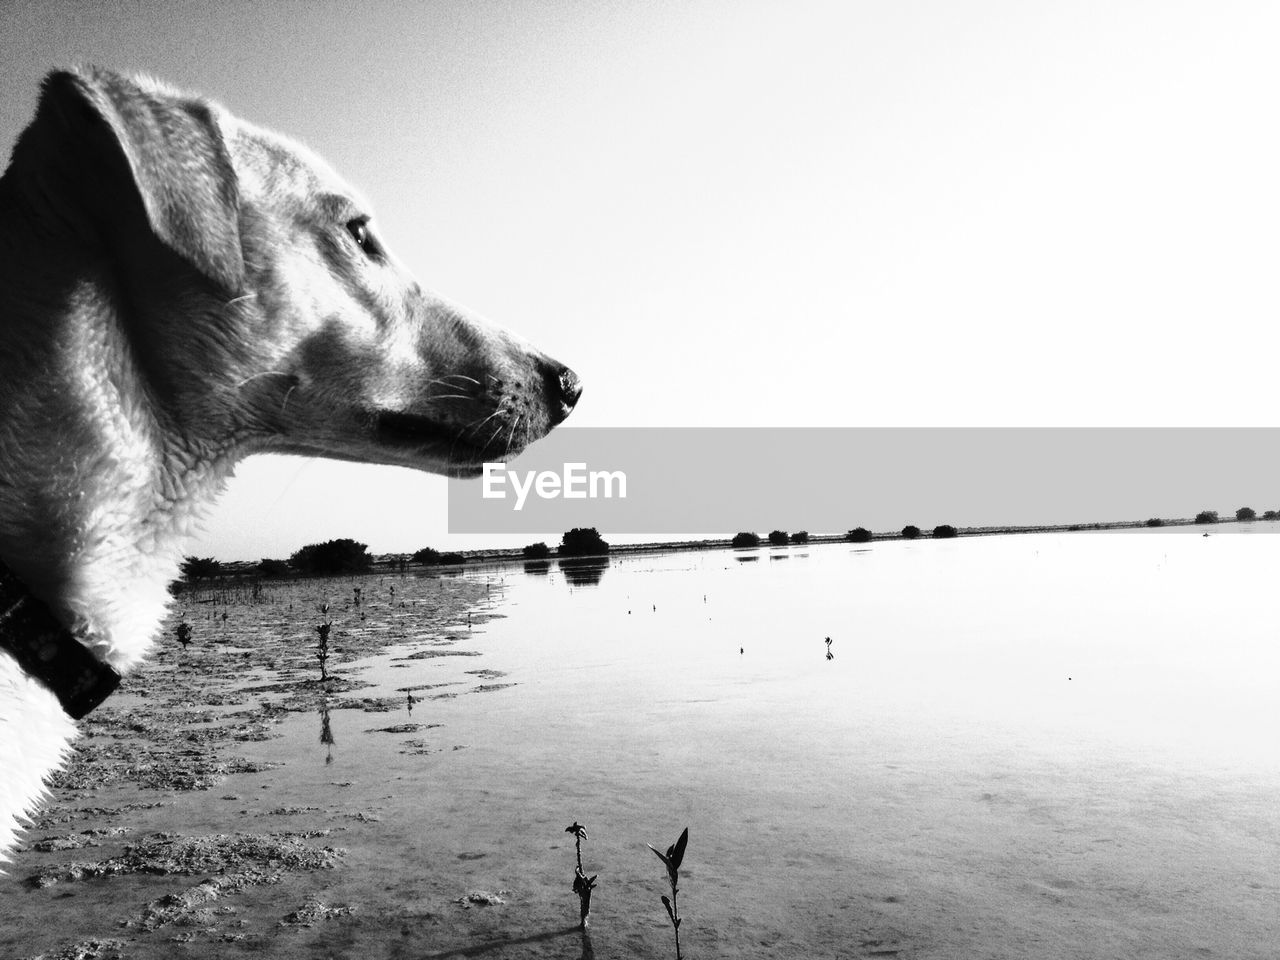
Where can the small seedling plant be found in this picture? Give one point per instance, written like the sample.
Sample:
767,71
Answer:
672,860
322,648
582,884
183,633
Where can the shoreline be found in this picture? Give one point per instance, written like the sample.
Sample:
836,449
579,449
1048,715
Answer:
389,562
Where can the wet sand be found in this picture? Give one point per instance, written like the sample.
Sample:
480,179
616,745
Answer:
163,829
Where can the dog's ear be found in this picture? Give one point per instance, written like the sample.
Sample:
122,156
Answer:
176,154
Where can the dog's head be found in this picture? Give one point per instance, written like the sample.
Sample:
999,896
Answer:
265,306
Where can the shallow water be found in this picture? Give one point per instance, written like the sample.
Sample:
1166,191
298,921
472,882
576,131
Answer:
1023,746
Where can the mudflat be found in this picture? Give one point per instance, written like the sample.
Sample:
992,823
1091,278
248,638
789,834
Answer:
1051,746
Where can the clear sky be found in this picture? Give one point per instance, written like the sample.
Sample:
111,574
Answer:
766,214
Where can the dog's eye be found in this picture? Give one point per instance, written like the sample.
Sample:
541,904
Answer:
359,230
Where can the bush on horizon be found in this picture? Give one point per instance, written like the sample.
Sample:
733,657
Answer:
451,558
944,531
1155,522
778,538
333,556
858,535
910,531
800,536
199,568
746,539
536,551
427,555
1245,514
1271,515
1207,516
582,542
273,568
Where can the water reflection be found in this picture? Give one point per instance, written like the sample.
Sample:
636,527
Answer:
326,733
751,559
537,568
948,685
584,571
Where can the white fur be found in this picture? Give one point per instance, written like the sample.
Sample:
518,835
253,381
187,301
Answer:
35,737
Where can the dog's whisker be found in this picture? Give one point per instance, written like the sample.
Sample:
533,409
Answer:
265,373
285,402
512,435
445,383
247,296
450,396
473,429
494,435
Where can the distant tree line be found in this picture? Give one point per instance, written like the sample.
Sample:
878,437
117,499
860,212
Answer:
435,558
346,556
199,568
1243,515
332,557
578,542
778,538
582,542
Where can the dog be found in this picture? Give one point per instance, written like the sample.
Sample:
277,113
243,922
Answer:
180,289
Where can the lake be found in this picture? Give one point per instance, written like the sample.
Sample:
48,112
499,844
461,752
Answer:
1059,745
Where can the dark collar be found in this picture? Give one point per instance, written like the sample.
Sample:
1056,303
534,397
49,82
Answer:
49,652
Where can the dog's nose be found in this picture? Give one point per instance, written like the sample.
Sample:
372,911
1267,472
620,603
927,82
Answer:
564,388
570,388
